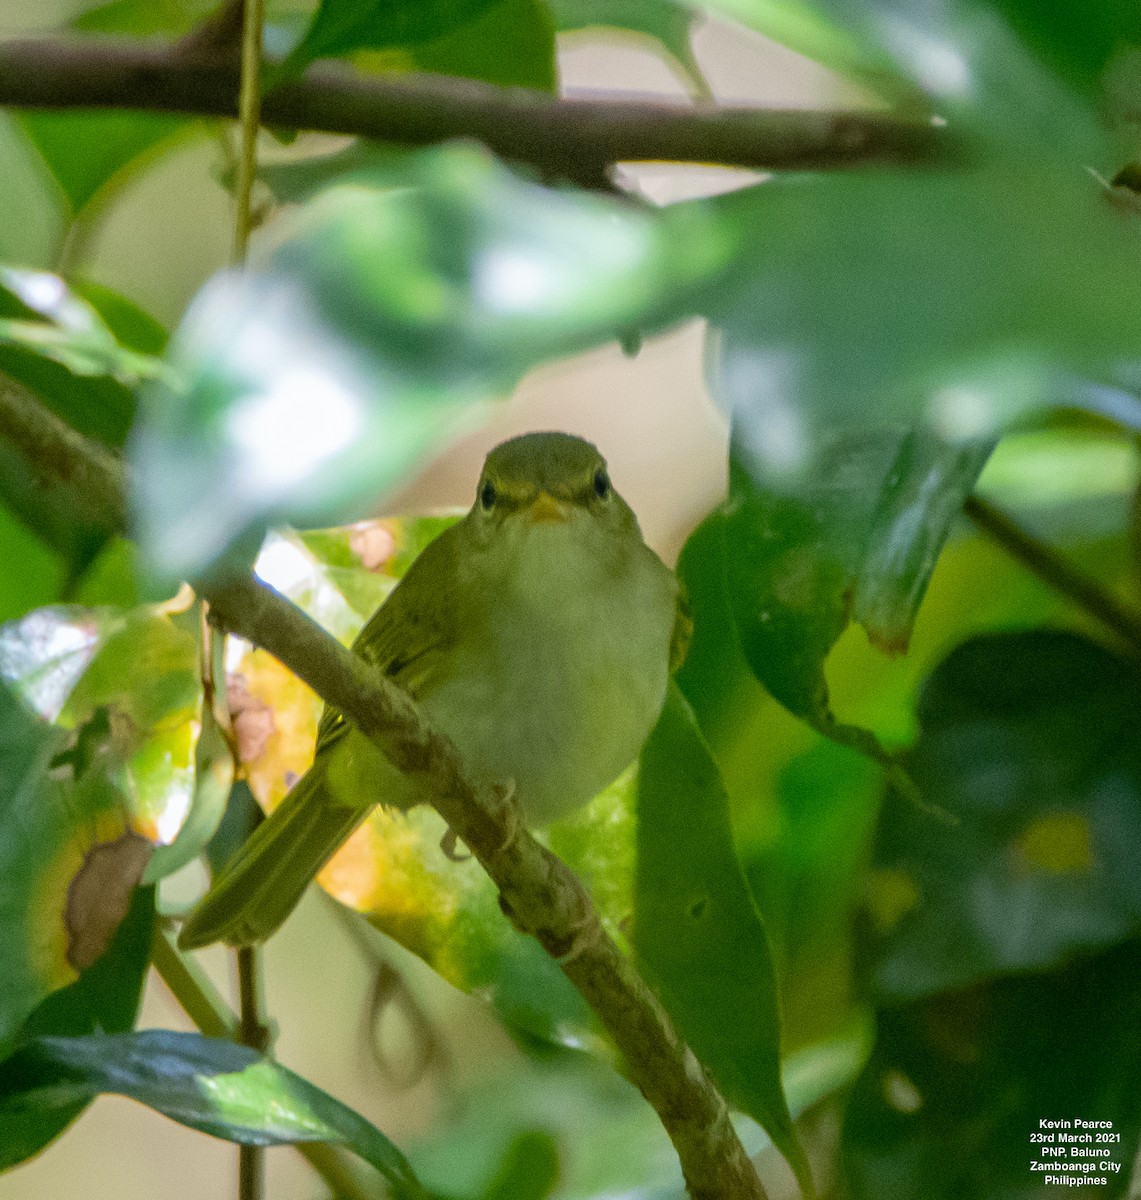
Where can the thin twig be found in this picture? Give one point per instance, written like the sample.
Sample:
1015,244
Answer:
538,892
203,1004
249,119
574,139
253,1028
192,987
1055,571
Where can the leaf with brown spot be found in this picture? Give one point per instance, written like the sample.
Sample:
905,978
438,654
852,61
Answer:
100,895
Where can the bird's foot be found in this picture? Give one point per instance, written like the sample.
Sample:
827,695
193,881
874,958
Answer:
448,845
586,935
511,812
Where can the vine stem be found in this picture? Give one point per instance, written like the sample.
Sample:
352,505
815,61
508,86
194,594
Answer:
253,1026
203,1003
1049,566
538,892
249,120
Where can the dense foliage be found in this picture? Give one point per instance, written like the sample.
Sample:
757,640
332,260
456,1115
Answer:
924,866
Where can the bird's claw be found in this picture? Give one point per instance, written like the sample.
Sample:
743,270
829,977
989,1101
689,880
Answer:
587,934
512,819
509,809
448,845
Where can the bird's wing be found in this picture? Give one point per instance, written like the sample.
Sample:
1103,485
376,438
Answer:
409,635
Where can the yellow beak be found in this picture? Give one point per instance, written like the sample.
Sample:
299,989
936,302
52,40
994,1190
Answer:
546,508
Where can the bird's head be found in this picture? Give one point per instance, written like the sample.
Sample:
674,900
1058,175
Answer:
548,479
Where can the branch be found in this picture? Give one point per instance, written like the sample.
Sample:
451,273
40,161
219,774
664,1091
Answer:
1056,572
570,139
539,893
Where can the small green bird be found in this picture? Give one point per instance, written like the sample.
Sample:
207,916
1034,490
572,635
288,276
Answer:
538,633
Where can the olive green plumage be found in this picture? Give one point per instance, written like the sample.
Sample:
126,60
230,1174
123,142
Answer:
538,633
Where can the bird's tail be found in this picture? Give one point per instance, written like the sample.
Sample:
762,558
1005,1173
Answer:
260,886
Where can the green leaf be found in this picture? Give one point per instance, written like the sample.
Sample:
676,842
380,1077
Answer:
1028,739
38,580
667,22
529,1170
30,807
831,33
208,1084
73,333
104,999
1076,39
511,43
315,385
936,309
341,26
89,152
959,1082
697,931
854,539
142,17
31,207
126,687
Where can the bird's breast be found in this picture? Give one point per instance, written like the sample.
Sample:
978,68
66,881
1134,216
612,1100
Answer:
562,679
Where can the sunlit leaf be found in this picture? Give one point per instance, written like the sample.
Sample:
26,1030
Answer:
208,1084
1028,740
960,1082
125,685
104,999
697,931
315,384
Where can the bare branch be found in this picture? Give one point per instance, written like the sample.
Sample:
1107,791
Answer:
572,139
539,893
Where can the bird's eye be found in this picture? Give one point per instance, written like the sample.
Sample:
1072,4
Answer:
487,494
601,484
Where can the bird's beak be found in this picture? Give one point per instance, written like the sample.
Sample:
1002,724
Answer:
546,508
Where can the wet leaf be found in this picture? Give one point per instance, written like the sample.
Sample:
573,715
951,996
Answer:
208,1084
697,931
1028,740
316,384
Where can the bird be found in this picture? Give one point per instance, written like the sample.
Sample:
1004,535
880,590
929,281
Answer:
538,633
